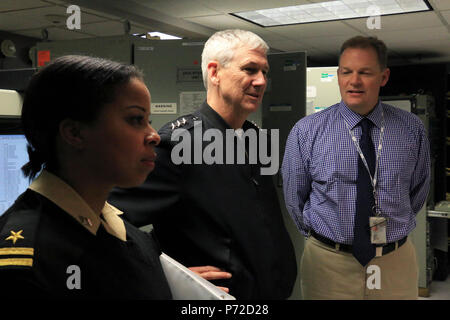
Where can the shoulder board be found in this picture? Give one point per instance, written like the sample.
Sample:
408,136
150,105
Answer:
250,124
17,239
255,125
184,122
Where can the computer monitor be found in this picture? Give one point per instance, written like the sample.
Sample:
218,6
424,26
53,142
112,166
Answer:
13,155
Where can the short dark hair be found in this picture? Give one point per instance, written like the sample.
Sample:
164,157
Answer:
70,87
368,42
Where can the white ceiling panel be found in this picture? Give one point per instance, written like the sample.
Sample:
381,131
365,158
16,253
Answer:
229,6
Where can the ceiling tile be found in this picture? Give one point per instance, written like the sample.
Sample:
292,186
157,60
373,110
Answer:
399,22
446,15
179,9
35,18
330,45
412,35
285,45
58,2
11,5
420,46
222,22
230,6
441,4
422,33
310,30
98,14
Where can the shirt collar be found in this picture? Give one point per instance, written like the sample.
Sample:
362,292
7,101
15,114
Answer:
213,117
353,118
65,197
217,121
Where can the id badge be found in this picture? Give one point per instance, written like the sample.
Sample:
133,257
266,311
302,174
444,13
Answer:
378,230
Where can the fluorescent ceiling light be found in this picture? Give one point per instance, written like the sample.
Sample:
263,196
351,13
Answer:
330,10
162,36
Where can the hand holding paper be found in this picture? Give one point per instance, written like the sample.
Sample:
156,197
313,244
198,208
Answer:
212,273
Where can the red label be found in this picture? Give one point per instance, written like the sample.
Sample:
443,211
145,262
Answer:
43,57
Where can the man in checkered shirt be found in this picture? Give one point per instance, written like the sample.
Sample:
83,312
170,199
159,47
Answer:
321,173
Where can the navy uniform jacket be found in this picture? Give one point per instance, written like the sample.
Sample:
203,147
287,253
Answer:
223,215
39,242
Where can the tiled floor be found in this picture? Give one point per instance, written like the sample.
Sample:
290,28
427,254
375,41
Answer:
439,290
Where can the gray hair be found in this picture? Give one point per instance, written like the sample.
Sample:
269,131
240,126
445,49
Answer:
222,45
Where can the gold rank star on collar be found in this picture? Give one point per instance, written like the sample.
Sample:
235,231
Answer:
15,236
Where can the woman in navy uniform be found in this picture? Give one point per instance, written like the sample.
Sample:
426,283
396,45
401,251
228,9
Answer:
86,122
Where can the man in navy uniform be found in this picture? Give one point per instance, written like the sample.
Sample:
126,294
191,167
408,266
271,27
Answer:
223,217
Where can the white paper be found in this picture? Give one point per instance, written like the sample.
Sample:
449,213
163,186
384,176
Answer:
190,101
311,91
187,285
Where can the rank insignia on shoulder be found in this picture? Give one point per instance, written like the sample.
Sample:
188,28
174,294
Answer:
179,123
15,236
17,239
16,256
255,124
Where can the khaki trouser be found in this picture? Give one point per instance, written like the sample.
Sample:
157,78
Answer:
330,274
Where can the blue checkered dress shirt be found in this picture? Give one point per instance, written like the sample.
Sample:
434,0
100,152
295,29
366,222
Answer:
320,169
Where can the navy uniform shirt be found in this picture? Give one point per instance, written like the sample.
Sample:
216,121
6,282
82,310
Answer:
52,245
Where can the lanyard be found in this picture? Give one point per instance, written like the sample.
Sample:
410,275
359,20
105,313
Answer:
373,180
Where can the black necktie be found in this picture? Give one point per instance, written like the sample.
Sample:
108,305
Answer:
363,249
